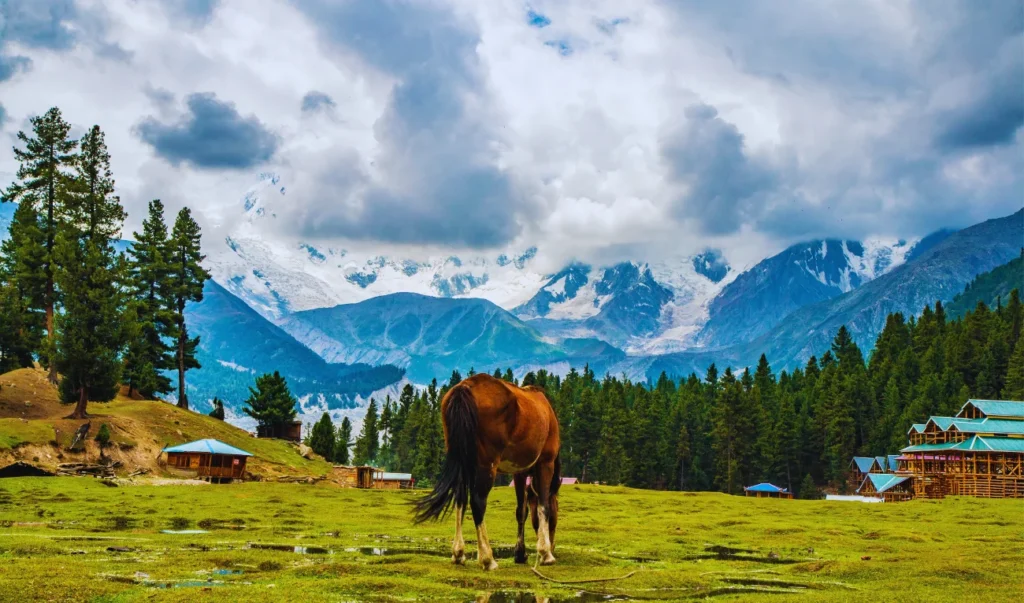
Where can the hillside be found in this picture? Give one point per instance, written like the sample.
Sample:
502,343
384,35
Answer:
938,274
990,287
429,336
33,429
237,344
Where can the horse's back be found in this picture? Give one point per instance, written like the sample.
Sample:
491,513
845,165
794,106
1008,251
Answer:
517,425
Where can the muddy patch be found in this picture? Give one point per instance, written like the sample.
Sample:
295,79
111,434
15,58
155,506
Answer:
508,596
288,548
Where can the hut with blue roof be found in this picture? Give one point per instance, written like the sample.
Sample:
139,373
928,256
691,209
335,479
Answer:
766,490
211,460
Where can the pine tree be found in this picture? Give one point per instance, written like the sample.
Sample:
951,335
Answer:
322,438
367,443
218,409
808,491
185,279
43,179
90,333
342,442
1014,388
148,353
270,402
22,286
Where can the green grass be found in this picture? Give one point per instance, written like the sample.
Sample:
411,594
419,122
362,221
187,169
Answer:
55,534
16,432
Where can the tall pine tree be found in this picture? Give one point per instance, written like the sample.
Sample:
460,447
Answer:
148,354
368,443
43,181
90,332
185,279
270,402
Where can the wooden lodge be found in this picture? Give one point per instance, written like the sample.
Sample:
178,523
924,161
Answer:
979,452
285,431
211,460
766,490
370,477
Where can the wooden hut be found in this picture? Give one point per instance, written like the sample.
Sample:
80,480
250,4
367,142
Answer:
887,486
861,466
353,476
211,460
766,490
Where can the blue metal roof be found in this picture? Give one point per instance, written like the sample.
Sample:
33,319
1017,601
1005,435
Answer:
208,447
765,487
396,476
865,463
917,427
883,481
892,460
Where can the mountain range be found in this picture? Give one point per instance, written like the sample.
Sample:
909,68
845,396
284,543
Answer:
341,324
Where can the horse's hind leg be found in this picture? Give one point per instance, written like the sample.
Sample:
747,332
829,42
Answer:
478,503
522,511
542,476
459,545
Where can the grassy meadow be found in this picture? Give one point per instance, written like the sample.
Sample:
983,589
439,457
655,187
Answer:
77,539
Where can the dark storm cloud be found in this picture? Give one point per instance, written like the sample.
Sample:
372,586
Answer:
211,135
995,113
315,101
723,184
438,168
52,25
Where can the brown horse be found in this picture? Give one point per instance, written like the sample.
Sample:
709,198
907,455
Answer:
491,426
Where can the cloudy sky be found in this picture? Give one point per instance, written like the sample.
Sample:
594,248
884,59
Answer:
587,127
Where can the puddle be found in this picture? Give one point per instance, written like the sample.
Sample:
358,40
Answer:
180,523
509,596
745,590
184,532
301,550
226,572
184,584
725,553
765,583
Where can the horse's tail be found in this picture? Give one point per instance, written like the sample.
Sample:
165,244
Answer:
458,474
556,478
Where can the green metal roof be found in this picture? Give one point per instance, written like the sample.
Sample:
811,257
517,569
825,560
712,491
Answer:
917,427
865,463
883,481
997,408
942,423
994,426
984,444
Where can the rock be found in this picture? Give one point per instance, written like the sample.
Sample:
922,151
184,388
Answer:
866,558
305,451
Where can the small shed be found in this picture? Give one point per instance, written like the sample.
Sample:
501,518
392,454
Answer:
392,481
766,490
211,460
285,431
886,486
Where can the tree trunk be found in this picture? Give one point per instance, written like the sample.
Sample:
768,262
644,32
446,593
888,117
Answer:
83,401
50,336
182,398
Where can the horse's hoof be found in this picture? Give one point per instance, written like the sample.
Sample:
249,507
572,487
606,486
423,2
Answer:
489,566
547,559
459,559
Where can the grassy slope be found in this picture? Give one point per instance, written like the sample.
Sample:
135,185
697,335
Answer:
139,428
54,534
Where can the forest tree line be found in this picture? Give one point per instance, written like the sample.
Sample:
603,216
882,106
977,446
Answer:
95,317
726,429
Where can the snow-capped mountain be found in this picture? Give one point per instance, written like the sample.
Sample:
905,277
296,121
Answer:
278,276
802,274
642,307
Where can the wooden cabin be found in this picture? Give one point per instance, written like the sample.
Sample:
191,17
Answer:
365,476
861,466
285,431
886,486
211,460
766,490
